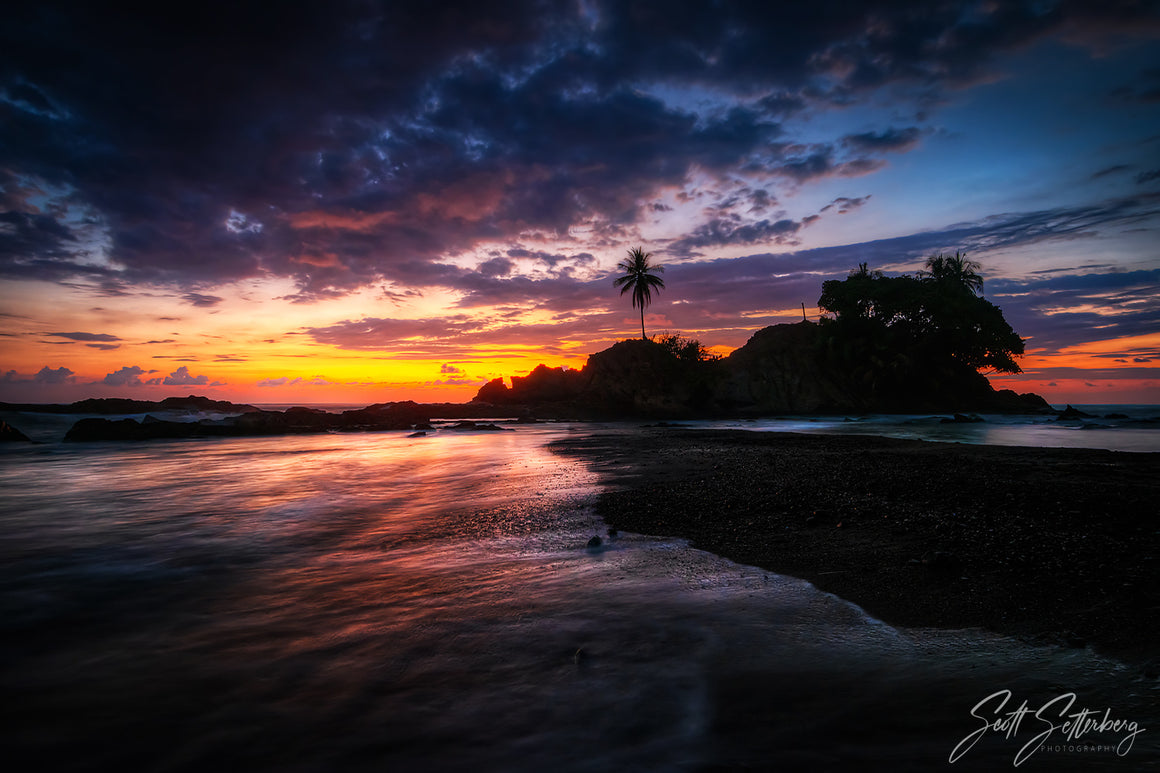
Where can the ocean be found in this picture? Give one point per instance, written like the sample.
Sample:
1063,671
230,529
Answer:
1110,427
372,602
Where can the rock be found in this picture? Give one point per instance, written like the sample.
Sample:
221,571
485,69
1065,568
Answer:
1115,416
494,392
309,417
595,542
94,430
386,416
9,434
960,418
471,426
417,434
1073,413
613,533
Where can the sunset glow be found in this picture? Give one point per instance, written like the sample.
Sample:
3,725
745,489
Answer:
347,206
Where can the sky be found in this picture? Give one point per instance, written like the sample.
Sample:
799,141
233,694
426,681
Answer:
361,202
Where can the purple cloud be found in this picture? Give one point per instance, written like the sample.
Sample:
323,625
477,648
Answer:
182,377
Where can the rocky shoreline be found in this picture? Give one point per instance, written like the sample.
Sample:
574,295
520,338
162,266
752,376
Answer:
1058,546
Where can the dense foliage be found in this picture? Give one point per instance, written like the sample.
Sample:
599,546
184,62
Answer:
902,332
686,349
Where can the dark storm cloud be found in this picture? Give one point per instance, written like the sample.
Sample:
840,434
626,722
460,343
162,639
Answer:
342,143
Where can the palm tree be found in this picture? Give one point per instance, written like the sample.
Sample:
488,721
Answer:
954,269
641,278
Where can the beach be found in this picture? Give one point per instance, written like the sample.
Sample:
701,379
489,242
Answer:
1055,546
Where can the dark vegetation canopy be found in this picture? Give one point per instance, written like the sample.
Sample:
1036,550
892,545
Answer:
914,330
686,349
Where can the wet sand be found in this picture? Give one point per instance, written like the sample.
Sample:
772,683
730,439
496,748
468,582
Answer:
1057,546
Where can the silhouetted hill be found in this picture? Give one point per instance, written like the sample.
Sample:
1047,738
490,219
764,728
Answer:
781,369
120,405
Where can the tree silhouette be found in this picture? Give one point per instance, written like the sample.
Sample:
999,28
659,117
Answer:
641,278
954,270
893,334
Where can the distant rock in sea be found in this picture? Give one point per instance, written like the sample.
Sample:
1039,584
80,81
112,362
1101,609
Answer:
9,434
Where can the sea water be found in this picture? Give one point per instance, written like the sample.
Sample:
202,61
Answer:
1112,427
372,602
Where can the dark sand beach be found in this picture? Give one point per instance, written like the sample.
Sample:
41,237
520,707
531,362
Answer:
1057,546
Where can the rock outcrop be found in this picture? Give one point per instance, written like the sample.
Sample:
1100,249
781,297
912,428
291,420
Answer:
782,369
9,434
293,421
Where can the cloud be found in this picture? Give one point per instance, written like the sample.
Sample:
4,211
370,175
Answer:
182,377
59,375
280,381
45,375
496,267
129,375
450,369
722,231
85,336
397,135
201,301
845,204
888,140
1061,310
1148,176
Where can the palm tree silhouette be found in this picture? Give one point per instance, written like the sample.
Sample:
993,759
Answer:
956,270
641,278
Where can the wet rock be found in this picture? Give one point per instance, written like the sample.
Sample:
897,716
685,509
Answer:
417,434
1072,413
595,542
960,418
89,430
386,416
9,434
471,426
